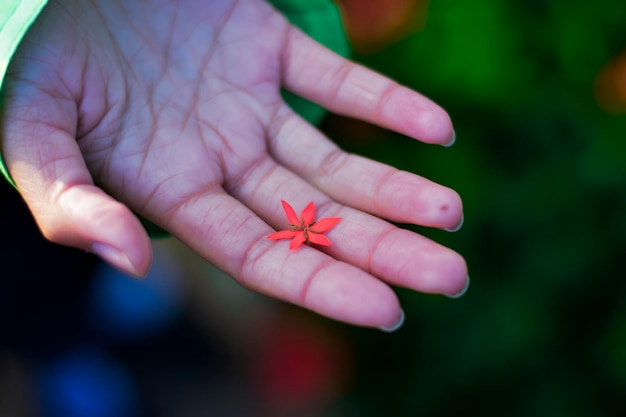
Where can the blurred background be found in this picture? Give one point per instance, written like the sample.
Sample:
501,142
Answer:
537,93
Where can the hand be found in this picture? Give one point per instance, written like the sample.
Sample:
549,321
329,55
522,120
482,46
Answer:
173,110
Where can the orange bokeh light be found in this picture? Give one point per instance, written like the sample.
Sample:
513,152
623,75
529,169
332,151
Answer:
610,85
374,24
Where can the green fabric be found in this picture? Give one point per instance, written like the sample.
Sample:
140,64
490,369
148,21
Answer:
320,19
16,16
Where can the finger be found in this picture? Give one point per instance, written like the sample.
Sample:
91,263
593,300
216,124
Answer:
48,168
359,182
318,74
397,256
228,234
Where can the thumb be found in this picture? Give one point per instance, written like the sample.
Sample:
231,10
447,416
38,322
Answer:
49,171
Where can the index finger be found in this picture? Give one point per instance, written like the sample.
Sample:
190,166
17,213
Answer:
231,236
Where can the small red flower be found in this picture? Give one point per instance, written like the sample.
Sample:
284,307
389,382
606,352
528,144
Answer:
306,229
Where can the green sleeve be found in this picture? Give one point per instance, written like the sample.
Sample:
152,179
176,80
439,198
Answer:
16,16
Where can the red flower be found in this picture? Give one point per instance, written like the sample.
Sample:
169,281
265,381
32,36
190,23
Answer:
306,229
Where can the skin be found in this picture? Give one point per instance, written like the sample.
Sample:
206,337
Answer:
172,109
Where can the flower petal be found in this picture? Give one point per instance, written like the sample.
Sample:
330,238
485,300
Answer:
292,217
319,239
324,225
283,234
298,240
308,214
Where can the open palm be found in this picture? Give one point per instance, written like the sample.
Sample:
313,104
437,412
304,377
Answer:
173,110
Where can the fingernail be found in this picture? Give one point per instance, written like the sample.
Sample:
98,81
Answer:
451,141
460,293
396,326
115,257
456,227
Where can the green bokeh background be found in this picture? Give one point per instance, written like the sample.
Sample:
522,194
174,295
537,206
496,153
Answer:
542,172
